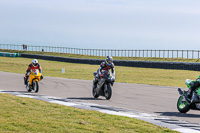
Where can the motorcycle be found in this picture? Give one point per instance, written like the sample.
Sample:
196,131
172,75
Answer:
184,104
33,80
104,85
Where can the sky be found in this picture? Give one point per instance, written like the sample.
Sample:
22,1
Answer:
102,24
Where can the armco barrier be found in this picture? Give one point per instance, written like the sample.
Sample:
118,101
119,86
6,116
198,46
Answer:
145,64
5,54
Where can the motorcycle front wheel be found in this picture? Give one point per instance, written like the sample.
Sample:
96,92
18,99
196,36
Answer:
108,92
182,105
36,86
94,92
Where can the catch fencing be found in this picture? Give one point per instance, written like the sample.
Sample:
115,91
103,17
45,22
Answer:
189,54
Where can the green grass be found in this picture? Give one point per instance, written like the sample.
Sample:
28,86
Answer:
163,77
102,57
30,115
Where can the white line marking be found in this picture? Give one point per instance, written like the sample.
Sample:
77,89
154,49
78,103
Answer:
186,130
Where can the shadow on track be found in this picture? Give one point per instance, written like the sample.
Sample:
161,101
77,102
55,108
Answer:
15,91
177,114
83,98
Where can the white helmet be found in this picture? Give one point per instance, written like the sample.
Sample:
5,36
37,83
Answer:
34,62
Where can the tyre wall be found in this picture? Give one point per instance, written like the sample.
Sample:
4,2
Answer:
5,54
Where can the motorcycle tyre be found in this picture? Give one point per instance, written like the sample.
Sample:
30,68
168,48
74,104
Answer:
94,93
185,109
109,92
28,87
36,86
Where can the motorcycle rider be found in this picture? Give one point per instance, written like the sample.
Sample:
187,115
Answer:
34,65
193,86
106,65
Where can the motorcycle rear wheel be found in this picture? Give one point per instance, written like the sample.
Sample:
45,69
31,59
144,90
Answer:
182,106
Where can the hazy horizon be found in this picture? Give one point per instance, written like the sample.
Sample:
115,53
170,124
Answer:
105,24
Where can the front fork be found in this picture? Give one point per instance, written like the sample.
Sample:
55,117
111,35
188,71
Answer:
183,95
105,88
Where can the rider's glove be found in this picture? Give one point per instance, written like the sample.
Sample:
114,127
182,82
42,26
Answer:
113,78
28,73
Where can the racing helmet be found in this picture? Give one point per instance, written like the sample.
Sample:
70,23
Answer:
109,60
34,62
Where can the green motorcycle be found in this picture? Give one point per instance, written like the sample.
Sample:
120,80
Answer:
184,104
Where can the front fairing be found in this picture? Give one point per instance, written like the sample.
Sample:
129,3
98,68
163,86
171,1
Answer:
188,82
35,75
107,75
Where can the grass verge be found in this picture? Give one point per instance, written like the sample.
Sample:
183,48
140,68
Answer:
29,115
163,77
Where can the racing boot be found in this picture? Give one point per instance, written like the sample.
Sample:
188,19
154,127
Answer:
25,81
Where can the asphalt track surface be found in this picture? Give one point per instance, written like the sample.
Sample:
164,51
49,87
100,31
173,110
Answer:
158,100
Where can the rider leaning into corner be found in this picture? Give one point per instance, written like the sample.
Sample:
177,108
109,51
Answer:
106,65
34,65
193,85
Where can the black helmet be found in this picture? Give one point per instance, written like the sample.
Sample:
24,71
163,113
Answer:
109,60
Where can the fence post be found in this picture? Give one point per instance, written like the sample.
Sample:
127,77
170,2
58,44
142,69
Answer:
128,53
168,53
135,53
182,54
143,53
159,53
131,53
139,53
177,53
192,54
163,53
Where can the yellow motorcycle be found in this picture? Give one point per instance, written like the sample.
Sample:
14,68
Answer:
33,80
